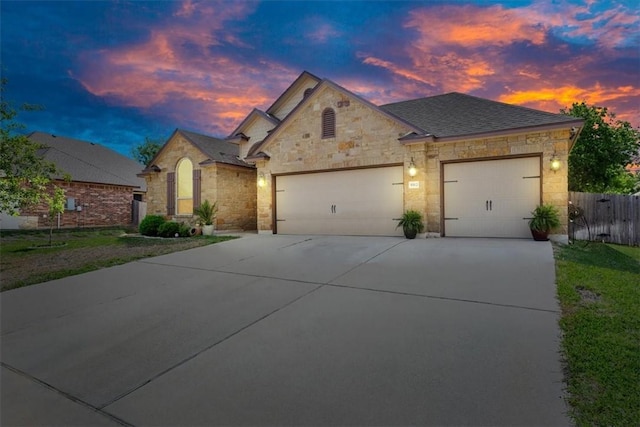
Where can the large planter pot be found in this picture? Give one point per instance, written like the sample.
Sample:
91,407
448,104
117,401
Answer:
207,230
410,233
540,236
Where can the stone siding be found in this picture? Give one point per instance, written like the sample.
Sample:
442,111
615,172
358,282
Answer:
174,150
364,137
546,144
232,187
236,198
102,205
257,130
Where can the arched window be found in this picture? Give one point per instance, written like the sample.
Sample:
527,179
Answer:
328,123
184,187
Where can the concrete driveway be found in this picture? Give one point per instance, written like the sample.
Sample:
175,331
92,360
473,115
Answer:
292,330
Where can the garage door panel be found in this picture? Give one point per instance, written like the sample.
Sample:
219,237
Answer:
355,202
491,198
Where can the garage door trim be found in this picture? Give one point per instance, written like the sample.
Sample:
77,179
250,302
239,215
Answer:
480,159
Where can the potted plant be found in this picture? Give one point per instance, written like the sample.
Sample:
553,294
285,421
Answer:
545,218
206,213
411,223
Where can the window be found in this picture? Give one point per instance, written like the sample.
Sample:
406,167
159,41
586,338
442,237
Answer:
184,186
328,123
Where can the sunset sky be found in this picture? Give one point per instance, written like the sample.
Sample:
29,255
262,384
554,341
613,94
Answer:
115,72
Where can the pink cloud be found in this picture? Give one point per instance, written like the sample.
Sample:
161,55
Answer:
471,49
204,88
472,26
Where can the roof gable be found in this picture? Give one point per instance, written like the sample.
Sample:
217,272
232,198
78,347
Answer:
292,96
256,149
456,114
249,121
89,162
216,150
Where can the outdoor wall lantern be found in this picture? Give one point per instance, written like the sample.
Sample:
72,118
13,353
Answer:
556,164
261,180
412,168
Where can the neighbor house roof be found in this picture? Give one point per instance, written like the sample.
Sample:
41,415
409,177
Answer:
456,114
89,162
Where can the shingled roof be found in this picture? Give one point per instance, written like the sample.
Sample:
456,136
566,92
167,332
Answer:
89,162
218,150
456,114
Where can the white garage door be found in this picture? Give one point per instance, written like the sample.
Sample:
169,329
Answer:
491,198
354,202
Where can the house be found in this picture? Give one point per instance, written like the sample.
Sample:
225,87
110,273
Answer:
327,161
191,168
333,163
101,189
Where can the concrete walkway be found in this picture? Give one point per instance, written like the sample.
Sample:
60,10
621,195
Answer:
296,330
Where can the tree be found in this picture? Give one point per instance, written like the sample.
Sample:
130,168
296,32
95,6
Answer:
146,151
55,200
24,174
603,149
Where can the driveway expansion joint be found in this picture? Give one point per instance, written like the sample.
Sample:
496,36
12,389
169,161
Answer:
207,348
66,395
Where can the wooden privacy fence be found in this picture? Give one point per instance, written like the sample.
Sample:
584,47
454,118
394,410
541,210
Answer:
612,218
138,212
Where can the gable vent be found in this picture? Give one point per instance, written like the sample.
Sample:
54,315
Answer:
328,123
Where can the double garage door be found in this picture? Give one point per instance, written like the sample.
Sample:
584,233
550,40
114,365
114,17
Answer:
352,202
490,198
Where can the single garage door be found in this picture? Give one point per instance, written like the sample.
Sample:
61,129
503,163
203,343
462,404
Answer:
491,198
353,202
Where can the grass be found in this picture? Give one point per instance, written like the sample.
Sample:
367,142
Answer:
23,260
599,292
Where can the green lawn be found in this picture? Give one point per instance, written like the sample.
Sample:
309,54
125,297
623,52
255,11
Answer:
599,292
24,261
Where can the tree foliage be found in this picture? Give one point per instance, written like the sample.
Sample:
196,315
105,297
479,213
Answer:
24,173
604,148
146,151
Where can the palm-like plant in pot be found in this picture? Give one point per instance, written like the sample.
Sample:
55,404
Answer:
206,213
411,223
545,218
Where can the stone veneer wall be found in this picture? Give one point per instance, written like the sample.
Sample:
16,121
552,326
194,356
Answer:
176,149
232,187
102,205
236,198
554,184
364,138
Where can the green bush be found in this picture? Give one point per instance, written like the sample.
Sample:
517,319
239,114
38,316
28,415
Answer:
150,224
169,229
185,230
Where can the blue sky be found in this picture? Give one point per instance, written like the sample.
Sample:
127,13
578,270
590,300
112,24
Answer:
115,72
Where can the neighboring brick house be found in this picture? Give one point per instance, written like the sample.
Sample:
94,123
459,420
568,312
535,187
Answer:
330,162
191,168
101,191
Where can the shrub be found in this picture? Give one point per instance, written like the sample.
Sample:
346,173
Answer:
150,224
169,229
184,230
